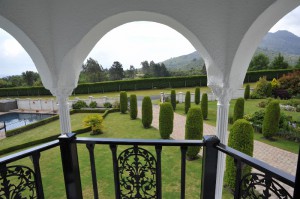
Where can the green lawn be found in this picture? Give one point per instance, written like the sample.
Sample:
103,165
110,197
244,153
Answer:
251,106
116,126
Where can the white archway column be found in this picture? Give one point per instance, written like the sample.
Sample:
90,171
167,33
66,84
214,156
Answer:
223,96
62,95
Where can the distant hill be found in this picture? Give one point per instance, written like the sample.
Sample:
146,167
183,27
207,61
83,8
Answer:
282,41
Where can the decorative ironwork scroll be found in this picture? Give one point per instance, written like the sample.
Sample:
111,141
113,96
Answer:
258,186
137,173
17,182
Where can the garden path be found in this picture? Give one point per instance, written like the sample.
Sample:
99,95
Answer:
281,159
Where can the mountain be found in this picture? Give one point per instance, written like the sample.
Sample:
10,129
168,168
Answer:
281,41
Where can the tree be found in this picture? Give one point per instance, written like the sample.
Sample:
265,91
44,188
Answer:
204,105
241,139
131,72
193,130
259,62
147,113
173,99
116,71
123,102
30,77
203,70
95,121
146,68
298,63
238,111
133,107
92,71
279,63
166,117
197,95
271,120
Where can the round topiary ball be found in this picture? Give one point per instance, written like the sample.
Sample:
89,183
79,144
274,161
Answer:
166,117
147,114
241,139
193,130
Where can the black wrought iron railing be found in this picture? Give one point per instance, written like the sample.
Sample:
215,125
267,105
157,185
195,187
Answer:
137,172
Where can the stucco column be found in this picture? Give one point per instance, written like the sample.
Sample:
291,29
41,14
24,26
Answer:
62,95
223,96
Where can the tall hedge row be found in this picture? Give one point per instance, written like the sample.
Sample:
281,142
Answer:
193,130
187,102
204,105
241,139
238,111
138,84
197,95
173,99
123,102
133,107
271,120
166,117
147,114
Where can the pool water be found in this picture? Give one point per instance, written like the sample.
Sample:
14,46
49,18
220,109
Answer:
16,120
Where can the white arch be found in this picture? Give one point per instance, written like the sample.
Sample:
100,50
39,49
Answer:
253,37
82,49
30,48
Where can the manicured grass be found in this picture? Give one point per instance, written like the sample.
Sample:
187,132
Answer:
117,126
251,106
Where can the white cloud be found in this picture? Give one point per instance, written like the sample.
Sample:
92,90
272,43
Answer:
12,48
290,22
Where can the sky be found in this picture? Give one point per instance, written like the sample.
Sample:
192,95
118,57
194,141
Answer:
130,44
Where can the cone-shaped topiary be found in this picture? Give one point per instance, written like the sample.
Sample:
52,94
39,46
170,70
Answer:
271,120
197,95
123,102
204,105
238,111
187,102
247,92
166,117
173,99
133,107
241,139
193,130
147,114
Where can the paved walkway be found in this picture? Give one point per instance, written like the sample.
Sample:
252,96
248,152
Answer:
276,157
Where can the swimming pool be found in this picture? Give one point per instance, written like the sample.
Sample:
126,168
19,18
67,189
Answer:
16,120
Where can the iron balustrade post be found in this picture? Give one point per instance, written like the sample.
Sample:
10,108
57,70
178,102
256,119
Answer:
238,178
158,150
69,158
209,167
297,180
38,178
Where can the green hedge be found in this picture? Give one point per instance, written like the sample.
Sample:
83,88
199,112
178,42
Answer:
247,92
197,95
173,99
123,102
238,111
204,105
271,120
147,113
139,84
133,107
187,102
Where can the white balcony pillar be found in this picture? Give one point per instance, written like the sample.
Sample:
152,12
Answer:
62,95
223,96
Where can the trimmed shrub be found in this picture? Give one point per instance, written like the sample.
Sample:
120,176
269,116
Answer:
107,105
238,111
247,92
166,117
79,104
193,130
241,139
187,102
269,89
147,114
204,105
197,95
93,104
123,102
271,120
95,122
173,99
133,107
